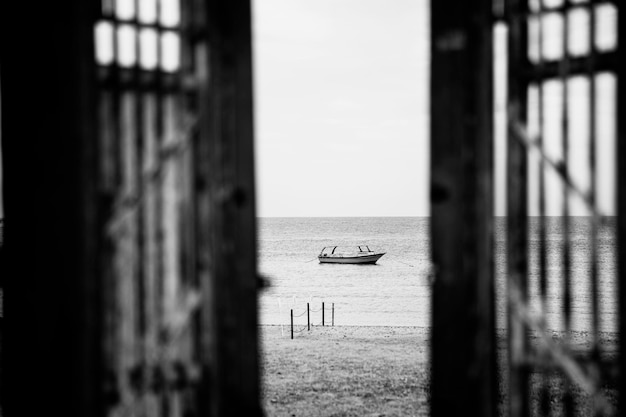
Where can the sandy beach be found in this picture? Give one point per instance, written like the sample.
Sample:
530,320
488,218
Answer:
375,371
346,371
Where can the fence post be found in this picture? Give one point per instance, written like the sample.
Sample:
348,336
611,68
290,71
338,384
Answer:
291,323
322,313
308,317
333,316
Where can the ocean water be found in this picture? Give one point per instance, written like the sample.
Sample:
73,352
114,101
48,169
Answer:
396,290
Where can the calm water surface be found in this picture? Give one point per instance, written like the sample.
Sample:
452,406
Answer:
396,291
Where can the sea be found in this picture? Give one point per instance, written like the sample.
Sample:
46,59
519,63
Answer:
396,291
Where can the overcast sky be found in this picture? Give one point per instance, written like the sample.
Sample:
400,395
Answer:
341,100
342,109
342,106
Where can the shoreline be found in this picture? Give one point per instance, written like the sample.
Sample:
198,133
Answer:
353,370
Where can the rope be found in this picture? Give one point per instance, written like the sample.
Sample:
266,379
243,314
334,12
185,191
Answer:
329,309
300,315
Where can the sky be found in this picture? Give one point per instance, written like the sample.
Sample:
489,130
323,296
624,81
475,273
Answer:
341,107
341,90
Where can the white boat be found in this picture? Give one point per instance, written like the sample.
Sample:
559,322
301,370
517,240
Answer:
337,255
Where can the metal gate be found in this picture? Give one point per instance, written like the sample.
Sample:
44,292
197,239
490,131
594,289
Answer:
129,202
562,124
564,157
175,123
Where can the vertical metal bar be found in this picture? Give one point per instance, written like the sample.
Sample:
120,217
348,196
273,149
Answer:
462,209
125,240
291,315
621,203
333,317
595,219
323,309
517,225
544,389
189,69
150,231
543,284
308,317
160,199
564,73
140,190
517,201
593,250
114,75
159,203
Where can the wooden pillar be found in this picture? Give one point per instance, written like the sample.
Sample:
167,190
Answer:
51,353
226,209
463,344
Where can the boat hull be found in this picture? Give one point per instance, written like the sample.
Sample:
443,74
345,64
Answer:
361,259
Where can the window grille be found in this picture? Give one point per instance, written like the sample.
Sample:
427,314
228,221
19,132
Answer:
557,290
140,277
562,71
177,183
147,128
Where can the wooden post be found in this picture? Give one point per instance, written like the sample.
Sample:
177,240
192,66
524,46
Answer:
291,324
226,210
463,373
308,317
322,313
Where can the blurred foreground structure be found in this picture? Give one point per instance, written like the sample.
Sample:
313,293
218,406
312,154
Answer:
548,43
130,248
129,258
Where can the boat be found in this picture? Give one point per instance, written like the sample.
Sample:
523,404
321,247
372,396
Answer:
360,255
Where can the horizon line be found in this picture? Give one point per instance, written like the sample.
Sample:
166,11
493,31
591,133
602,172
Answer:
361,216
